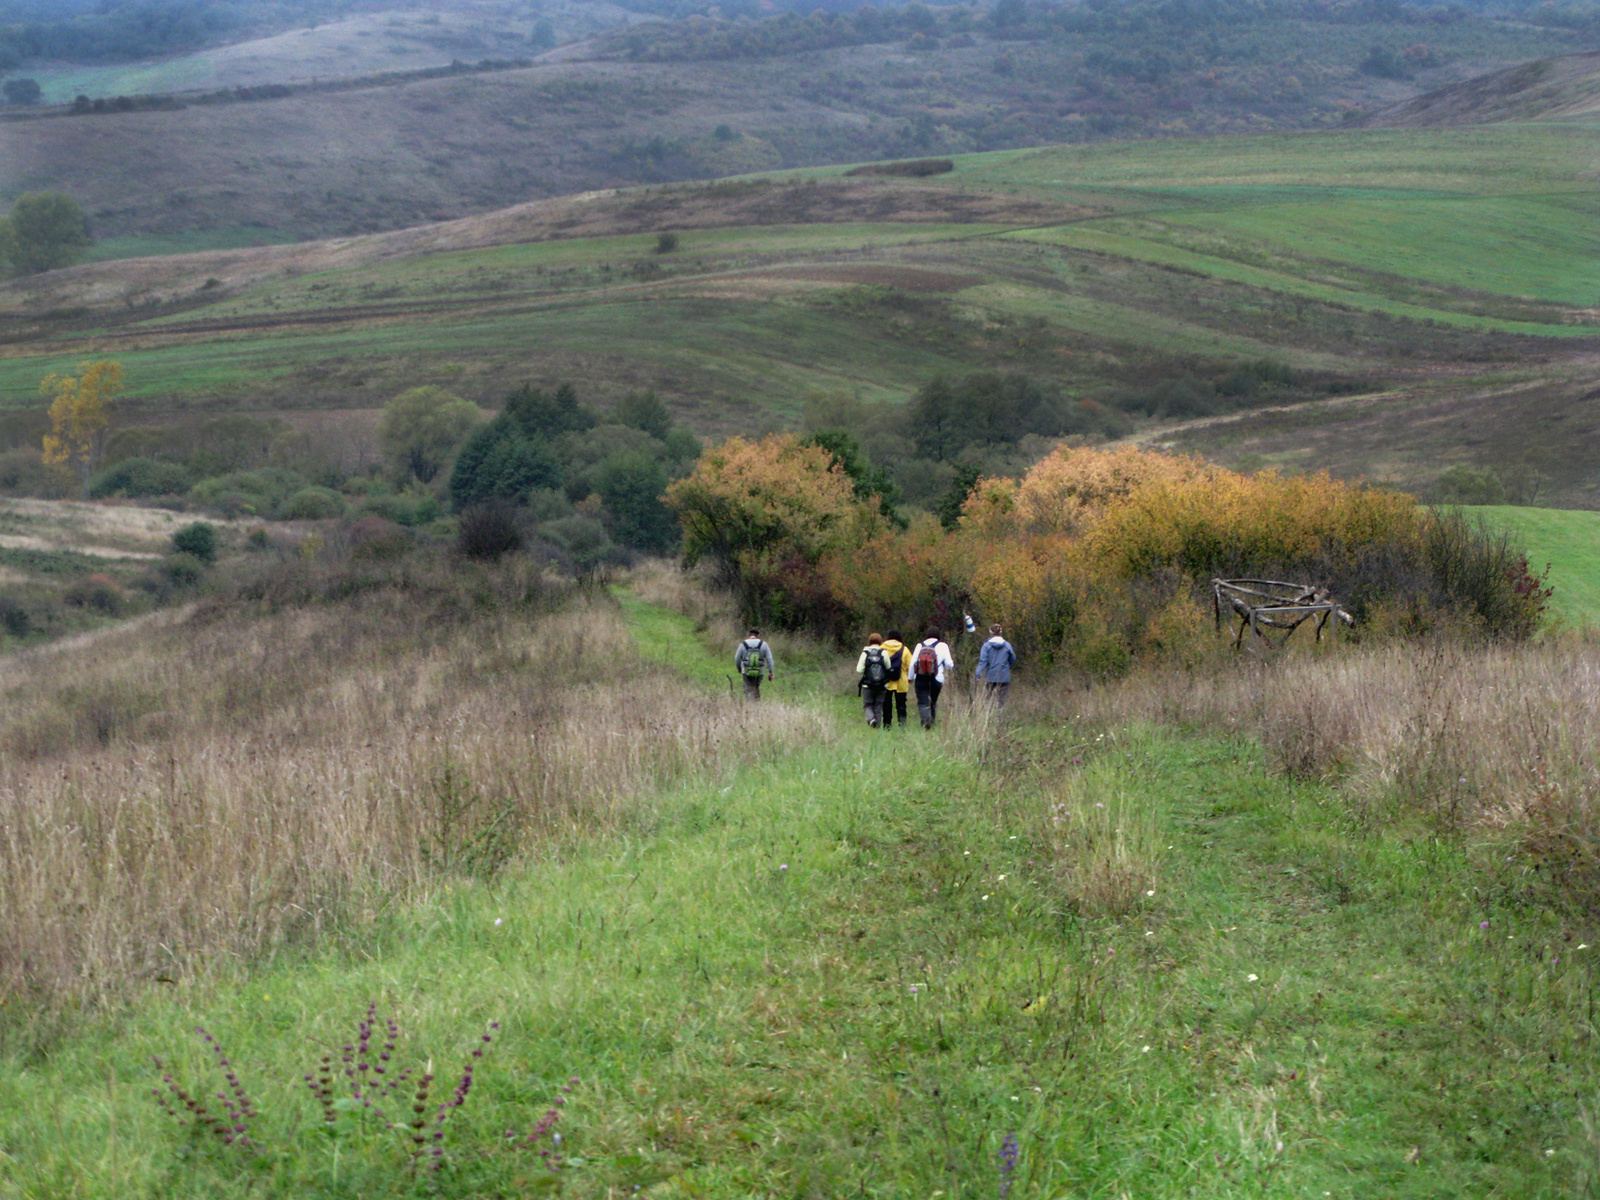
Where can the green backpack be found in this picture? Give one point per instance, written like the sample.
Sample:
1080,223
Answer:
753,665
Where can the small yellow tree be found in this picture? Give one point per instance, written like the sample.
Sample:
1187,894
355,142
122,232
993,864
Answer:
80,417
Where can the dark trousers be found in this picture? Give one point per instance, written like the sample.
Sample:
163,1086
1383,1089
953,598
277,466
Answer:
752,687
893,700
928,689
872,699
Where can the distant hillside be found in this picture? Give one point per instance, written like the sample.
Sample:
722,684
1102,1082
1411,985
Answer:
1385,304
702,98
1559,89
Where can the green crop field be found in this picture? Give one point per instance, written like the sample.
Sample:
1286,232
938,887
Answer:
1469,161
1568,543
1544,247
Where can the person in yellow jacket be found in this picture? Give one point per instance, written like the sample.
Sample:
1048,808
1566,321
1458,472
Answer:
898,655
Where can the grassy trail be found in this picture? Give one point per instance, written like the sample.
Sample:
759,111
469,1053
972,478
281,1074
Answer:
989,962
1315,1009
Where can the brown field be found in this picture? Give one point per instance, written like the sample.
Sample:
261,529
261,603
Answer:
99,530
1407,435
1561,89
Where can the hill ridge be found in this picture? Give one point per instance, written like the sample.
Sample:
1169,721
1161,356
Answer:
1546,89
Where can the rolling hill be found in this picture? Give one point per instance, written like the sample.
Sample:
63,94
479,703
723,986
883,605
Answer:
391,119
1153,276
1559,89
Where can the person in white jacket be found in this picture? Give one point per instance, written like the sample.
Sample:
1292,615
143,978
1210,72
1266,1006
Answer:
930,658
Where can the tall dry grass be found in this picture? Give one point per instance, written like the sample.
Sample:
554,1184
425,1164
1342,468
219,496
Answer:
691,594
1452,734
243,779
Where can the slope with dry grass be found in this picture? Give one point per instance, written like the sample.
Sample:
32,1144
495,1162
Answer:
264,774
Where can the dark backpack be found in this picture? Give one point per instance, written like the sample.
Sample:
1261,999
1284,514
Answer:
876,673
926,665
753,665
897,665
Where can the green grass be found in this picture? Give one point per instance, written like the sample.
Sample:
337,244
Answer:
762,356
1303,257
1470,160
1568,543
154,245
557,267
62,84
859,969
1543,247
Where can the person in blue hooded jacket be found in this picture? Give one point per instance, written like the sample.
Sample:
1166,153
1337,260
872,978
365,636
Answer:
995,661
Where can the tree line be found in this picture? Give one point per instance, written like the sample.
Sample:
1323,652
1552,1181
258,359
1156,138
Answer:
753,31
140,29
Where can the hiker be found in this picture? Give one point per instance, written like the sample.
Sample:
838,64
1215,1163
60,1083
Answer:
929,659
995,661
897,655
873,669
751,659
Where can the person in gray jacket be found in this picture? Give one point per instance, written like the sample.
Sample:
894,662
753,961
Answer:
753,659
995,661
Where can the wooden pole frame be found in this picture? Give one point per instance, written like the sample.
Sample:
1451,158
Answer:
1275,604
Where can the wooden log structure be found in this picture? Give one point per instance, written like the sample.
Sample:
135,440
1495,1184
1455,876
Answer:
1273,604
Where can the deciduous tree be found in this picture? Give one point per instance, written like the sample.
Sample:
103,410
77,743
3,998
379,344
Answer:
766,512
422,427
80,416
47,230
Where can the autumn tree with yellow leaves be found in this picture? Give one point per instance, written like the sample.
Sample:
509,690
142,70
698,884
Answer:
765,513
80,417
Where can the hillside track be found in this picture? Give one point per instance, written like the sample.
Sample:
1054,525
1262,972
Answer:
130,287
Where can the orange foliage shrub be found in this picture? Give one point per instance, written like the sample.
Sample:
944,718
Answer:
1095,558
914,580
1098,557
774,497
1223,523
1076,483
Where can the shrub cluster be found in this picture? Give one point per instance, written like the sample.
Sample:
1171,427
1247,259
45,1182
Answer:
1094,558
583,484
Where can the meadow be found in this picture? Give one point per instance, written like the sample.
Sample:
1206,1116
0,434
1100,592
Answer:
1124,273
372,874
1230,933
1567,543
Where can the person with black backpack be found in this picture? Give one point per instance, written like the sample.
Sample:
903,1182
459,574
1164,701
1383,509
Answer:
753,659
930,658
898,655
873,668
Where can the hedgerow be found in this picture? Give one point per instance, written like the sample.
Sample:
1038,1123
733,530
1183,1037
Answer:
1094,559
